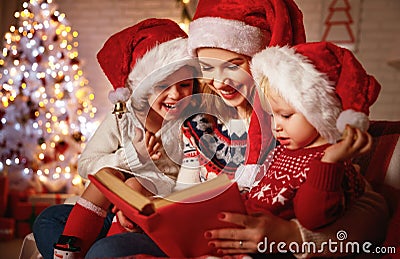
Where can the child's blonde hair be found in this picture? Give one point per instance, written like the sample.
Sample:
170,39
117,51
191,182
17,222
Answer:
264,89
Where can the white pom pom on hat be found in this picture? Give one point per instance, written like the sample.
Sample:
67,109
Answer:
352,118
323,81
121,94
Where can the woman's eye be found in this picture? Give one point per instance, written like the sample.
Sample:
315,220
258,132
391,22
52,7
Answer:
206,68
233,67
286,116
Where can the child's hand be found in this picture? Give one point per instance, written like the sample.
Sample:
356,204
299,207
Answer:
126,223
149,148
153,144
355,142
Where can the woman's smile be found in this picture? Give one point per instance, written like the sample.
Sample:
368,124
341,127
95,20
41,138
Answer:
229,93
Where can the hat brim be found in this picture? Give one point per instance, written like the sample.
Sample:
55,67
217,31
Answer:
157,64
233,35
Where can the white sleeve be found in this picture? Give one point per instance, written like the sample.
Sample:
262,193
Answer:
189,173
245,175
104,149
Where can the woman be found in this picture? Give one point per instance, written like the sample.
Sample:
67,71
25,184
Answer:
224,35
216,37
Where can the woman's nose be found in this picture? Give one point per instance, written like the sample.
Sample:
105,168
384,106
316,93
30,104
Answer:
218,83
215,78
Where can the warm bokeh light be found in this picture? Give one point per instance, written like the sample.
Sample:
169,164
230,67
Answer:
45,98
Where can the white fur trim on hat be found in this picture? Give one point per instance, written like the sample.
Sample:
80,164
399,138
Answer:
301,85
227,34
121,94
354,119
157,64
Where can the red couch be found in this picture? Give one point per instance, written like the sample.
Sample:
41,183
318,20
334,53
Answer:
381,166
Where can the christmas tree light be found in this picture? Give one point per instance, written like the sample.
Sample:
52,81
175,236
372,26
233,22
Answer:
185,15
46,113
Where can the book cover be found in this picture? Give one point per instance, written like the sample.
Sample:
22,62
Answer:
177,223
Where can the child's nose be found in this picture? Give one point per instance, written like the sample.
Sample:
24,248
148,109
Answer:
173,91
277,126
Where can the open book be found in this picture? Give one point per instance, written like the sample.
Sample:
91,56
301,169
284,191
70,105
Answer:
177,222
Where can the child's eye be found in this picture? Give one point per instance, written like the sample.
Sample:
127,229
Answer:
286,116
185,85
161,87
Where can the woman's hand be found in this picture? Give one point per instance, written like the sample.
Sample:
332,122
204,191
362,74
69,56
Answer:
147,148
355,142
254,231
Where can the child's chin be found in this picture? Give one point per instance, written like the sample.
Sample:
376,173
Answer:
173,114
291,147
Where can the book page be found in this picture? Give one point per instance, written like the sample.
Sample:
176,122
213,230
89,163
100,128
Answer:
117,186
196,193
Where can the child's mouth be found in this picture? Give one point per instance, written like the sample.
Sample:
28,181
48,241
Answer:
170,106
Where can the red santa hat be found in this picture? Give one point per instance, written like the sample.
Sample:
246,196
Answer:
131,55
245,27
323,81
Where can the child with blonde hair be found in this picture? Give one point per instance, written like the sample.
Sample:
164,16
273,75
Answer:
319,97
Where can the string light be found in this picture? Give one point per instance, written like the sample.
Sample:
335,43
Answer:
185,14
39,77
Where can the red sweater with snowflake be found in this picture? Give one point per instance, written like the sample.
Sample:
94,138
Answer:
296,184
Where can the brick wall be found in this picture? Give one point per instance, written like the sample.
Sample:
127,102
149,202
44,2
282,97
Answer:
377,32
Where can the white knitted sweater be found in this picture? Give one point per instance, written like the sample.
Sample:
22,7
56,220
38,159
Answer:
111,146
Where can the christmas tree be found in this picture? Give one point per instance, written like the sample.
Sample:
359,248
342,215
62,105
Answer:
45,110
338,23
